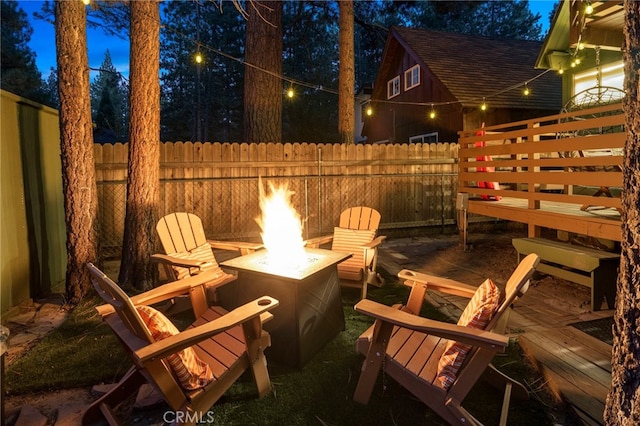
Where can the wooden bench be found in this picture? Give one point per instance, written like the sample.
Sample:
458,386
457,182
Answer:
592,268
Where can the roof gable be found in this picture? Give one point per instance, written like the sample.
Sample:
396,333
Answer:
475,67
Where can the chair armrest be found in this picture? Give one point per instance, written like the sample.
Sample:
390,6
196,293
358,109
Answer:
433,282
318,241
165,291
176,261
375,242
468,335
241,246
192,336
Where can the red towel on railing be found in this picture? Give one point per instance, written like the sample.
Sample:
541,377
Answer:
483,184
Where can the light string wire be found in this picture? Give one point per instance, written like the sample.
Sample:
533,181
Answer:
322,88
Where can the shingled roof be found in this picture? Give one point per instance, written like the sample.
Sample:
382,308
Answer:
473,67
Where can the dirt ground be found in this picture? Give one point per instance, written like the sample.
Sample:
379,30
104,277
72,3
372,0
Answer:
487,255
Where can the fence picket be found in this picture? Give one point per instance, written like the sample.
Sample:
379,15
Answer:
219,182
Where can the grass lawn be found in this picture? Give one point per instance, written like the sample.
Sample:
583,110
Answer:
83,352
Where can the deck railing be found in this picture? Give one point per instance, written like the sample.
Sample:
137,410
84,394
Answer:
562,160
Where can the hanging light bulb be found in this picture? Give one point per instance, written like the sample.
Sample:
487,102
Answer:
560,71
290,93
589,9
198,58
483,106
369,111
432,114
526,90
86,2
577,61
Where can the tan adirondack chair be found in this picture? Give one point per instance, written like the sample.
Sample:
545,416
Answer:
356,233
229,343
188,252
413,345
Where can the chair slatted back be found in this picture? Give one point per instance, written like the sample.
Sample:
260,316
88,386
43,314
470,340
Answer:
111,293
182,236
131,330
180,232
516,286
360,218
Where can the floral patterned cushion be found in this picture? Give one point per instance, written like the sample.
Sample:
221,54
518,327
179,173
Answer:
191,372
477,314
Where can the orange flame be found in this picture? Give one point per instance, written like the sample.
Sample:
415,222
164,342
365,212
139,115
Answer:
281,228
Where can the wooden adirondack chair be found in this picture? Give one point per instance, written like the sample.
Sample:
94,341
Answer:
228,343
188,252
413,346
356,233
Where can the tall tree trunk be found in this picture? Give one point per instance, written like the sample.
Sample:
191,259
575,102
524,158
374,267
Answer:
623,400
346,78
76,146
143,178
263,70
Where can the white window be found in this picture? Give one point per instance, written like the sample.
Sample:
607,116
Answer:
611,75
393,87
426,138
412,77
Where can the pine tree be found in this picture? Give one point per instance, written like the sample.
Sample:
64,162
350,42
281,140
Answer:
76,145
263,85
143,171
201,101
623,401
311,55
18,71
110,83
51,89
346,90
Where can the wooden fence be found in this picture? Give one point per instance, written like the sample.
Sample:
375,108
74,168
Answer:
412,185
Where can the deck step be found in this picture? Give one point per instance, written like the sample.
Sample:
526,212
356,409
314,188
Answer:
577,368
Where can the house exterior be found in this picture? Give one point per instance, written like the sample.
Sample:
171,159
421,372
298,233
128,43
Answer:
431,84
585,46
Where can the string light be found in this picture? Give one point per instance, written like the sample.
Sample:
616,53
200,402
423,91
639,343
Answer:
86,2
560,71
290,93
589,9
369,111
432,113
526,90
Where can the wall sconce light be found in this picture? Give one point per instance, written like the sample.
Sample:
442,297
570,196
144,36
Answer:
368,110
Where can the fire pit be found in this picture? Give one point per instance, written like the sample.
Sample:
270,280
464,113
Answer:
310,311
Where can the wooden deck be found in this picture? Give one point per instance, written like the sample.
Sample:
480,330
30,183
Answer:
597,221
576,366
